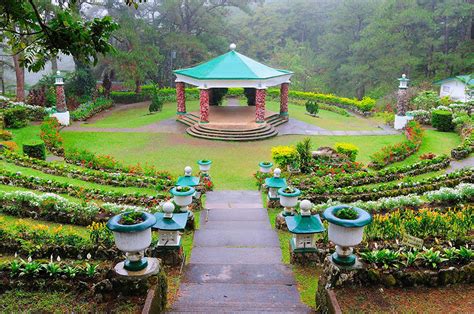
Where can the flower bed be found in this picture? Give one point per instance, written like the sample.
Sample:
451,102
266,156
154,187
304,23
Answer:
101,177
49,133
91,108
34,113
45,185
351,194
398,152
85,158
52,207
461,194
321,183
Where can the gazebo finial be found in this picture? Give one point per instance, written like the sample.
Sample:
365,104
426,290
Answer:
232,46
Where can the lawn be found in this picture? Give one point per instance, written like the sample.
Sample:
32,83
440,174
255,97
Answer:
234,163
130,116
327,119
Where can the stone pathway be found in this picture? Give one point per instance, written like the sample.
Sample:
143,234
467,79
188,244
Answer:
236,263
459,164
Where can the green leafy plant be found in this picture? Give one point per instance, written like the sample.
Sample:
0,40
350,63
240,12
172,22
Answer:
70,271
90,269
15,267
410,257
347,213
442,120
312,107
432,258
465,254
131,218
304,154
348,149
451,253
30,268
53,269
157,102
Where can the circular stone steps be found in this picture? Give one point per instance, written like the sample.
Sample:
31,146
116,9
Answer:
207,132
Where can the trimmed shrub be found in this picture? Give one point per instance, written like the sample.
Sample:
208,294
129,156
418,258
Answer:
348,149
284,155
128,97
35,150
5,135
15,118
442,120
312,107
156,103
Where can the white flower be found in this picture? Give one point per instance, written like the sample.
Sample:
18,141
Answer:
58,258
89,256
16,254
30,259
51,258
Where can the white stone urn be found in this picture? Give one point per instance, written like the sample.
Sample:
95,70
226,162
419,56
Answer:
133,239
346,233
265,166
183,196
288,199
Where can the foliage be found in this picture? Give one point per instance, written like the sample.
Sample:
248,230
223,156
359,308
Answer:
312,107
9,145
426,100
40,38
49,133
305,157
15,118
89,109
80,82
131,218
5,135
393,153
347,213
156,102
35,150
348,149
421,116
35,113
128,97
284,155
442,120
217,96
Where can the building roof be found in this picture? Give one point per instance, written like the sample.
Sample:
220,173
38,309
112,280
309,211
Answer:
304,224
232,66
466,79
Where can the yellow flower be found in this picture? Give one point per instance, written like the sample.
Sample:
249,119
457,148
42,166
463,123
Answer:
58,229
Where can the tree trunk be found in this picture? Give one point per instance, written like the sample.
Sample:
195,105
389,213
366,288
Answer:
138,87
54,65
20,79
360,92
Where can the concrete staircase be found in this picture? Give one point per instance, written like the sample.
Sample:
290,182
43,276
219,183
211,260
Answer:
235,265
210,132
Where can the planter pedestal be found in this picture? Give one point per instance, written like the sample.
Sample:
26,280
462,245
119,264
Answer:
305,257
152,268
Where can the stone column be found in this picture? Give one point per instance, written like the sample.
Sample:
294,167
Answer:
180,99
204,105
60,98
260,106
284,100
402,101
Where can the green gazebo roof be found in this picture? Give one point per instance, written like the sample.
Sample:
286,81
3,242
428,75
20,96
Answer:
232,66
187,181
232,69
304,224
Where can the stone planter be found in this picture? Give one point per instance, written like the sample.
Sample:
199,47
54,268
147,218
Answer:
288,200
345,233
133,239
265,167
204,165
183,198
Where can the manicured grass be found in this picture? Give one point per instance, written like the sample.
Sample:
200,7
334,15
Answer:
20,301
327,119
37,173
140,116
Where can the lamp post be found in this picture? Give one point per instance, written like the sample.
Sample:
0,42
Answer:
62,114
401,118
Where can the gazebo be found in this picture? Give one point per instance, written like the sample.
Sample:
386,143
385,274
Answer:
232,69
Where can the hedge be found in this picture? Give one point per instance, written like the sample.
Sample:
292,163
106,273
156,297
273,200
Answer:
15,118
442,120
35,150
90,108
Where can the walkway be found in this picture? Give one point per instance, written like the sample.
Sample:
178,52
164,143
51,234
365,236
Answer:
459,164
236,261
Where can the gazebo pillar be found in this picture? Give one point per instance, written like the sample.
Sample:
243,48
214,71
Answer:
180,99
284,100
260,105
204,105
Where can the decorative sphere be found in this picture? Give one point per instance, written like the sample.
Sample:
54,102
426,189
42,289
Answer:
305,205
404,75
188,170
58,72
232,46
168,208
277,172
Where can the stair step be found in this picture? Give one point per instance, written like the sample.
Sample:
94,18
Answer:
198,131
227,131
256,138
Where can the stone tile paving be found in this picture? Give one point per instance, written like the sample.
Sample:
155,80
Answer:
235,264
459,164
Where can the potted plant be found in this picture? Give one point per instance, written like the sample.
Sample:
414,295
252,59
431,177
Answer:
265,166
183,196
288,198
132,232
204,165
346,228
